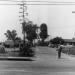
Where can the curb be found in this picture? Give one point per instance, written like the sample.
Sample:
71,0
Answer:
18,58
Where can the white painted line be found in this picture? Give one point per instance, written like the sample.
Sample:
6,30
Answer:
17,71
13,70
24,71
39,72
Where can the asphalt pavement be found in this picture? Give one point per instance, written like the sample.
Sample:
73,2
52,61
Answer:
46,63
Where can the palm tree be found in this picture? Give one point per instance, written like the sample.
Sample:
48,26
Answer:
11,35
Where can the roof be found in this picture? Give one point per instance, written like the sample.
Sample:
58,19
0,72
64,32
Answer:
70,40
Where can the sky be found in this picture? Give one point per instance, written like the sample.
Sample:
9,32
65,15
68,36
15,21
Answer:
59,18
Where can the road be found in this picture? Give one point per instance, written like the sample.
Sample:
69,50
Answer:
46,63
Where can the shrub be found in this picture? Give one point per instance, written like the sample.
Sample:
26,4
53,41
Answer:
43,44
26,50
2,49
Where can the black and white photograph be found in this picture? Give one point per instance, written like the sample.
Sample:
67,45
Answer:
37,37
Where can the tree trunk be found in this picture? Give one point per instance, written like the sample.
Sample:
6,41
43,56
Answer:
24,38
34,42
42,40
14,47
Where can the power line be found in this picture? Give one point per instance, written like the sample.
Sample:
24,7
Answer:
10,4
38,4
50,4
38,1
45,1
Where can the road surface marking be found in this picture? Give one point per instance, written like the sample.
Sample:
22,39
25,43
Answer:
37,72
13,70
24,71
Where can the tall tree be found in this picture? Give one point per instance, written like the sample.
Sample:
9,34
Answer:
31,32
43,33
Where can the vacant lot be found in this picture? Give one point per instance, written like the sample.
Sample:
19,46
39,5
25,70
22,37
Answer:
70,50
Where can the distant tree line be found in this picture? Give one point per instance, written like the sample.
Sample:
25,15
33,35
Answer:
57,41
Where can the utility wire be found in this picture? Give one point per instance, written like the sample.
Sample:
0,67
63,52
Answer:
44,1
39,3
49,4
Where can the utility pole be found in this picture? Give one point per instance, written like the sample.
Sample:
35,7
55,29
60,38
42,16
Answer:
24,13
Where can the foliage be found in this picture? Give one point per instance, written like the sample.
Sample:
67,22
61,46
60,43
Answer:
11,35
18,39
23,27
31,31
26,50
24,30
57,40
43,33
